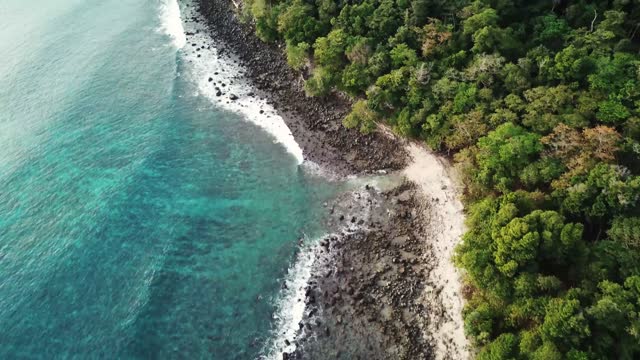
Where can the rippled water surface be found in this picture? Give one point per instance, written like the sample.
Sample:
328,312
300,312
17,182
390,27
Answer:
137,219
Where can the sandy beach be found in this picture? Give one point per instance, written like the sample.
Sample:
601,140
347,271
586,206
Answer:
437,184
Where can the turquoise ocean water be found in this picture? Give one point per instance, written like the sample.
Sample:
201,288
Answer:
138,220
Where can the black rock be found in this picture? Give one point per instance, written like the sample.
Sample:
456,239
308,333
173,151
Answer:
210,79
218,93
233,97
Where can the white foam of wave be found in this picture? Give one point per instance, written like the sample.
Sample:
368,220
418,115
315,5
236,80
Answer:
315,170
171,22
290,306
211,69
380,182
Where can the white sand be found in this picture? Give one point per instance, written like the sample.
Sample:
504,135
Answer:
445,221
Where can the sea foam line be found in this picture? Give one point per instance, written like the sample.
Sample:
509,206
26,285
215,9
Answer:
171,22
211,69
290,305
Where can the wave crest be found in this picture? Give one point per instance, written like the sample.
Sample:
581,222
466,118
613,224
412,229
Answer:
220,77
171,22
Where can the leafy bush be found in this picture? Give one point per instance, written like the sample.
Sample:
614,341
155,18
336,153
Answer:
297,54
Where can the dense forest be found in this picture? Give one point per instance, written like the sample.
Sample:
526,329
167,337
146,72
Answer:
537,103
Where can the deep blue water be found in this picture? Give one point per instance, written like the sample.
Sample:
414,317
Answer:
137,220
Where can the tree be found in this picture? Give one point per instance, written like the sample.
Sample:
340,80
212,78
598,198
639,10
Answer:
402,55
465,97
359,52
547,106
361,116
607,191
320,83
542,172
548,351
468,128
580,152
573,64
485,69
297,55
489,39
525,242
385,20
516,77
329,50
354,19
615,75
297,23
433,35
551,30
504,347
355,79
266,21
482,19
626,231
616,318
479,323
327,10
612,112
502,155
564,324
389,89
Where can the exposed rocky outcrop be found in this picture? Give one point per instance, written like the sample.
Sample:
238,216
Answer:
316,122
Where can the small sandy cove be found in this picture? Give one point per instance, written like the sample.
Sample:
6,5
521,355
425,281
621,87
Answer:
445,223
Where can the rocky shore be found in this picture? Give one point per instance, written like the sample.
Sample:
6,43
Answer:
380,285
316,123
383,286
364,300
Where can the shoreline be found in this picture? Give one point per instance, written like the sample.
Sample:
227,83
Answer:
316,123
385,289
388,290
438,184
219,76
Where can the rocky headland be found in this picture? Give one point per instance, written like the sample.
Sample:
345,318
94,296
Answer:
382,285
